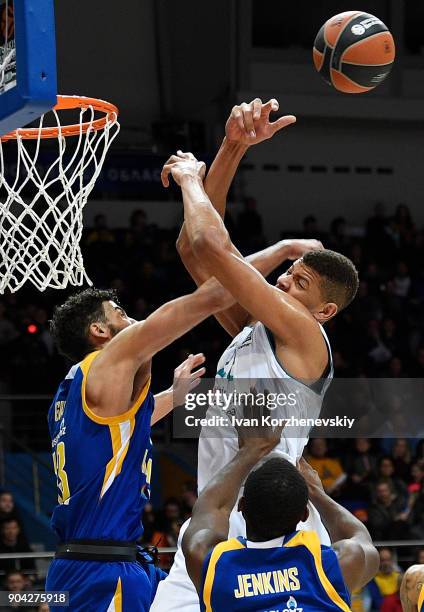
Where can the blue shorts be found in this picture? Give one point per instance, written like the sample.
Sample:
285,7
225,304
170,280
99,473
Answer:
98,586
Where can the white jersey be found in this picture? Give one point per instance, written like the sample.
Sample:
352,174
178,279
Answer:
251,358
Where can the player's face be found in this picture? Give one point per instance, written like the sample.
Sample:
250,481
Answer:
117,318
303,284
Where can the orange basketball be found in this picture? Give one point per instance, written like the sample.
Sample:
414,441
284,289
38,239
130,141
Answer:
354,52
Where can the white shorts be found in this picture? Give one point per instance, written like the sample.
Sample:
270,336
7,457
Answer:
177,593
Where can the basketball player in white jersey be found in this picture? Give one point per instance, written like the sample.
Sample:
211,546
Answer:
278,331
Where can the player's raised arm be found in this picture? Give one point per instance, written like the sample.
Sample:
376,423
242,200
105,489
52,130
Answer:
358,558
247,125
209,524
273,306
120,371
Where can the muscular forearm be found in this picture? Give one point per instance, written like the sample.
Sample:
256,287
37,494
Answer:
339,522
201,219
163,405
221,173
269,259
216,185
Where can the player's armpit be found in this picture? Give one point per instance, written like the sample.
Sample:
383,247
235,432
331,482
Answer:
359,562
110,380
282,314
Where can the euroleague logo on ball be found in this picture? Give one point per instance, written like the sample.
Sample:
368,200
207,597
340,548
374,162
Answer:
359,28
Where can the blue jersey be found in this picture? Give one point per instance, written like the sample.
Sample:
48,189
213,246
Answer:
103,464
300,575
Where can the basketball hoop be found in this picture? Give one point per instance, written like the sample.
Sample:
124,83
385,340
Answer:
44,190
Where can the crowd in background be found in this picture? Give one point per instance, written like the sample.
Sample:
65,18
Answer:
380,335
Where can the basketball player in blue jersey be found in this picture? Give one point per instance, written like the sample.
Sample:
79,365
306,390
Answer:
275,568
100,423
412,589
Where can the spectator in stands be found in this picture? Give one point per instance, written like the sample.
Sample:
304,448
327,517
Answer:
419,558
171,513
338,240
8,508
378,353
310,229
401,282
402,457
167,538
100,232
376,233
416,478
404,223
386,585
417,370
417,511
12,540
361,468
386,473
149,524
329,469
189,497
15,582
385,514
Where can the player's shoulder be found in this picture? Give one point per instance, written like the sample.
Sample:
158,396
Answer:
414,574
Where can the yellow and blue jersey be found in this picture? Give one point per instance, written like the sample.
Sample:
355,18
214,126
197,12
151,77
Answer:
300,575
103,464
421,600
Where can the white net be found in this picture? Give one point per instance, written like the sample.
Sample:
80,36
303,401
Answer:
43,191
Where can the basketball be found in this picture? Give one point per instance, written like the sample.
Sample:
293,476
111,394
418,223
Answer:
354,52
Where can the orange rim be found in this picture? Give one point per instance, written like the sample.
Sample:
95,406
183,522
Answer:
66,103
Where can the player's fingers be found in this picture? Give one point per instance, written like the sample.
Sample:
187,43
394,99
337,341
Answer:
202,169
164,175
237,115
172,160
257,108
198,373
249,127
198,359
195,383
270,106
282,122
186,155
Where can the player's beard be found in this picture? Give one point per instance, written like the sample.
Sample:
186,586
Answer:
113,330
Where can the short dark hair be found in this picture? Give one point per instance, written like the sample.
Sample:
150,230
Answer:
340,279
71,321
275,498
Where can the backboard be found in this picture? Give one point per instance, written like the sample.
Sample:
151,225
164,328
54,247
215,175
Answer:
28,85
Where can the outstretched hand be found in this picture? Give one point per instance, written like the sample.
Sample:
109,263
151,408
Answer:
186,378
180,165
298,247
260,438
309,474
249,124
